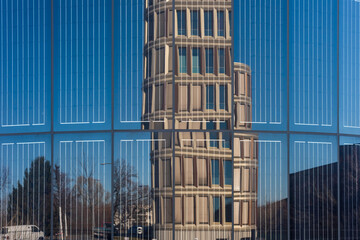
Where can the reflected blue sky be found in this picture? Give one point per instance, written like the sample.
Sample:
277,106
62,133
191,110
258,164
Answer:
82,64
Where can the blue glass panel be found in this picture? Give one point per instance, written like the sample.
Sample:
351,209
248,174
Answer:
228,209
215,172
25,181
349,71
195,23
228,172
260,36
25,57
182,59
196,60
181,17
221,56
223,97
209,24
209,54
217,209
313,186
272,185
221,23
82,65
128,62
210,97
313,65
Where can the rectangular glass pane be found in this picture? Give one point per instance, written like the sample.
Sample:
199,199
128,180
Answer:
196,60
313,181
209,55
25,70
221,59
182,60
82,65
208,22
228,172
223,97
181,22
221,23
215,172
210,97
82,178
25,186
195,23
217,209
228,209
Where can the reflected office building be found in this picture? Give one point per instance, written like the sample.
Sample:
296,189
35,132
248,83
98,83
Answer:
199,186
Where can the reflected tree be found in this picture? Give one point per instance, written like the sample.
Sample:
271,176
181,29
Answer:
29,202
132,201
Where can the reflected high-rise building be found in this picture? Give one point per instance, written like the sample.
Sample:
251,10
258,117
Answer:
201,184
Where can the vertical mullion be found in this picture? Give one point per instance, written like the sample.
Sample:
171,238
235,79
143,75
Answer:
112,117
52,115
337,114
288,113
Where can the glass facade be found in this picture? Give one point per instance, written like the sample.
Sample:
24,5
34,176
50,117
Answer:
226,120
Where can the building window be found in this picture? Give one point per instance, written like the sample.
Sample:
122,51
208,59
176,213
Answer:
228,209
181,19
151,2
149,64
167,210
196,99
160,60
228,172
159,97
195,26
157,174
221,60
202,172
217,209
189,210
196,60
208,20
209,52
167,173
210,97
225,135
148,99
161,24
182,59
203,210
189,171
220,23
151,27
230,22
215,172
223,97
214,140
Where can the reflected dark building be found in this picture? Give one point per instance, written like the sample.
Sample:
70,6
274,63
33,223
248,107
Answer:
314,199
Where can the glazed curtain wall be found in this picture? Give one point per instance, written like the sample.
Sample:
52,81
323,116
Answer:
71,97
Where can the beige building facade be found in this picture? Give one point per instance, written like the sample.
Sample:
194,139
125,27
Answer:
204,181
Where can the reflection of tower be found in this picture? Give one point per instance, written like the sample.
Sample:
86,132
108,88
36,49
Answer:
203,165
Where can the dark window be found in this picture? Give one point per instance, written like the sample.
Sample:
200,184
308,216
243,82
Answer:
217,209
149,64
228,172
210,97
181,18
223,97
148,99
221,60
196,60
230,22
195,26
209,52
208,20
151,27
214,136
215,172
221,23
151,2
228,209
182,60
